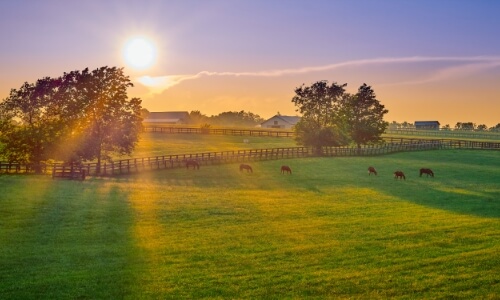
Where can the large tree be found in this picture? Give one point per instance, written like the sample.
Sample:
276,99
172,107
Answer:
109,122
362,116
83,114
333,117
33,121
319,105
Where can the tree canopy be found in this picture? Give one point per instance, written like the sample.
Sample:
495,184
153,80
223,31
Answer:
81,115
333,117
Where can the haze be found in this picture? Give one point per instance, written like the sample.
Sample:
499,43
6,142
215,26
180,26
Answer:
426,60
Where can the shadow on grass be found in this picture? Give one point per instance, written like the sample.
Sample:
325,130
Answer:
65,239
453,199
466,182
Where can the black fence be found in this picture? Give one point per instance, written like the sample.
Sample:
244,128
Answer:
134,165
446,134
219,131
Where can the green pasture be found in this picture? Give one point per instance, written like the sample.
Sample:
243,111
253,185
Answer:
153,144
327,231
444,134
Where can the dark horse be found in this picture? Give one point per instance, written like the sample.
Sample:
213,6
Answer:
192,163
372,170
246,167
286,169
399,175
426,171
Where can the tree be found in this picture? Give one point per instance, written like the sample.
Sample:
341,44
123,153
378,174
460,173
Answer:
144,113
233,118
84,114
362,116
319,105
196,117
33,121
465,126
482,127
332,117
309,134
109,122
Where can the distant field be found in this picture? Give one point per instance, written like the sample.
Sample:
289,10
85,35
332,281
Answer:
327,231
446,134
157,144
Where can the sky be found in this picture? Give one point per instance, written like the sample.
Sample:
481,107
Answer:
425,59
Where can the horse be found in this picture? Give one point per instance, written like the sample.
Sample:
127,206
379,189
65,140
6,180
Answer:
399,175
426,171
246,167
286,169
372,170
193,163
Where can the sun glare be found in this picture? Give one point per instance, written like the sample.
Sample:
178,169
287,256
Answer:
139,53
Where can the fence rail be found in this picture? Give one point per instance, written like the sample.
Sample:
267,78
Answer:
489,135
219,131
445,134
134,165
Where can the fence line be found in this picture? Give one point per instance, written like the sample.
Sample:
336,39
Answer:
490,135
219,131
134,165
279,133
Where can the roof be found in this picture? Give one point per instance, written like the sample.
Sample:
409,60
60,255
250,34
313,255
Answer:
427,122
168,115
292,120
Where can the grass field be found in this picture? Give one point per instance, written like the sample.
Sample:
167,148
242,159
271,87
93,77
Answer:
327,231
156,144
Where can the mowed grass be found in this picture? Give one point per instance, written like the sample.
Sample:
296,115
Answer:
327,231
153,144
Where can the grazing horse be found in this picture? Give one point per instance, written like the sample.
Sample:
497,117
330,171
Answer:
372,170
286,169
399,175
246,167
192,163
426,171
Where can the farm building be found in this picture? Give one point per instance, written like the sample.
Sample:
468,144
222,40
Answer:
427,125
279,121
167,117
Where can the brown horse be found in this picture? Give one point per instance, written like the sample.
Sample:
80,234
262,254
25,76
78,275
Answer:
286,169
193,163
426,171
399,175
372,170
246,167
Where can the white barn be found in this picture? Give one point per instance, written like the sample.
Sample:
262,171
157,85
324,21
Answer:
282,122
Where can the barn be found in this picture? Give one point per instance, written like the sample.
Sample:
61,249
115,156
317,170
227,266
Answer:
282,122
427,125
167,117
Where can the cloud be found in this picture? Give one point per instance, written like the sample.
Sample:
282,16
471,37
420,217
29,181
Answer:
461,65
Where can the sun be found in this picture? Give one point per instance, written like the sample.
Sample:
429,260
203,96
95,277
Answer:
139,53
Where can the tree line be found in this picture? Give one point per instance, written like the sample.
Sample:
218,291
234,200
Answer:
229,118
81,115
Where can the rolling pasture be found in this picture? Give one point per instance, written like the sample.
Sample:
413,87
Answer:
328,230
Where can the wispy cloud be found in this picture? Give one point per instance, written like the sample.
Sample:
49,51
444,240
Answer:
460,66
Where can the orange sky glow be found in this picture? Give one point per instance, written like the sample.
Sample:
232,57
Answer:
424,59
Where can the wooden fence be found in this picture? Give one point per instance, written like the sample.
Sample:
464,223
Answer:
219,131
134,165
461,134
